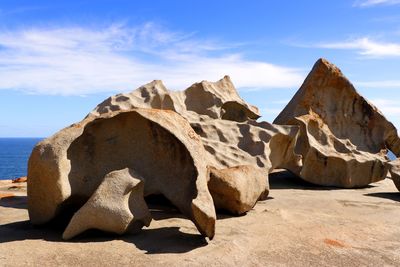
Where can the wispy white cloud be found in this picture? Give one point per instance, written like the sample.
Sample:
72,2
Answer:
370,3
366,47
77,60
390,108
387,84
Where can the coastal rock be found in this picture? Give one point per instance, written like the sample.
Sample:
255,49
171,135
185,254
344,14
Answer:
116,206
343,138
225,123
228,130
237,189
65,170
218,100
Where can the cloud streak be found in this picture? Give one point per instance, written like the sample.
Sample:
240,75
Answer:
371,3
366,47
389,107
389,84
78,61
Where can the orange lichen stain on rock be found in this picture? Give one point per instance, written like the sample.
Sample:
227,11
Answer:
6,195
334,243
193,135
22,179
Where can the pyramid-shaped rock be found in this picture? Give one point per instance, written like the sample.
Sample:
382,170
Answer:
343,138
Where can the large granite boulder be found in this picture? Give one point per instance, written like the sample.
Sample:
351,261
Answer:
237,189
343,138
73,167
225,123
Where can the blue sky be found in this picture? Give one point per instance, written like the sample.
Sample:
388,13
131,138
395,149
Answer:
59,59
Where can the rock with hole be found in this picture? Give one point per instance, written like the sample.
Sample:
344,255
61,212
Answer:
159,146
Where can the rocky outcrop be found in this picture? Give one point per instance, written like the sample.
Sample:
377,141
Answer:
237,189
217,100
186,144
225,123
343,138
159,147
228,130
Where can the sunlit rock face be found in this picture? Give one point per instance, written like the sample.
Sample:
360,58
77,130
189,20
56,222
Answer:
343,138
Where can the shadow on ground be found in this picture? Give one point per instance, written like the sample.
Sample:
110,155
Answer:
17,202
152,241
287,180
387,195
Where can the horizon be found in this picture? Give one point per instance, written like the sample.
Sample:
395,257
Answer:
59,60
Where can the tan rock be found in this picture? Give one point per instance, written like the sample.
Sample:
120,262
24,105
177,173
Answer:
237,189
160,146
260,144
394,169
225,123
116,206
343,138
218,100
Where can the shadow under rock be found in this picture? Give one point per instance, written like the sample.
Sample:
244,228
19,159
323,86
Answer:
152,241
161,208
395,196
223,214
23,230
166,240
17,202
286,180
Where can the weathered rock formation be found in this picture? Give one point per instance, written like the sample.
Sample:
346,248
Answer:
225,123
159,147
217,100
343,138
204,139
237,189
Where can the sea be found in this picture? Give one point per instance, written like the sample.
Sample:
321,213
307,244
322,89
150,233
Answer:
14,155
